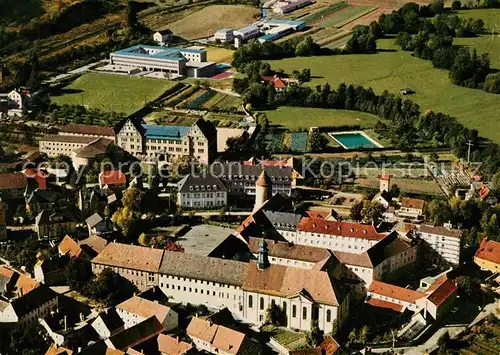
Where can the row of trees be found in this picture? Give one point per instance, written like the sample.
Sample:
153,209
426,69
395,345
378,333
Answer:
433,40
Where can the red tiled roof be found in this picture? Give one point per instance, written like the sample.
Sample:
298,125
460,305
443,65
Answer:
10,181
317,214
279,84
88,129
384,304
412,203
69,247
172,346
443,292
399,293
489,250
112,177
225,339
345,229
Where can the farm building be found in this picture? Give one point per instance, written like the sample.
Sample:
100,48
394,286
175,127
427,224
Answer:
181,61
276,28
247,32
224,35
163,37
284,7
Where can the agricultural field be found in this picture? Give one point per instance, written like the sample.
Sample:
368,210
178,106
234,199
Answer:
429,187
319,15
345,15
199,98
485,342
222,101
111,92
294,118
206,21
393,70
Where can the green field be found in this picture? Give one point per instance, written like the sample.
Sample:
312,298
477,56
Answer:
394,70
491,17
315,16
304,117
111,92
340,18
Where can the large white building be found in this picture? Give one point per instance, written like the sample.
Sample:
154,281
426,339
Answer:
201,192
164,59
443,240
224,35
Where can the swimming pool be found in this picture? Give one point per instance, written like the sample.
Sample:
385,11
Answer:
354,140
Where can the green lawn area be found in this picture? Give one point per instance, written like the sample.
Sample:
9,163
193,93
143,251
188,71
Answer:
394,70
491,17
304,117
111,92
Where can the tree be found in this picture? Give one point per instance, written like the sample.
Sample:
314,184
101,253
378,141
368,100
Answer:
132,22
363,334
495,180
132,199
275,315
126,221
372,211
467,285
144,240
78,272
110,288
355,212
317,142
315,336
394,191
456,5
30,339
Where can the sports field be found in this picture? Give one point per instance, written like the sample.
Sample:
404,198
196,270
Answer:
394,70
205,22
304,117
111,92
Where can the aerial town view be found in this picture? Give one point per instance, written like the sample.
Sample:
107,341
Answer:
240,177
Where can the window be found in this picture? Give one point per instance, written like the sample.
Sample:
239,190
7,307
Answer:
304,313
250,301
328,316
294,311
262,303
284,307
273,302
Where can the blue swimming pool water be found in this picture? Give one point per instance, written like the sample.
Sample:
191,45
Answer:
354,140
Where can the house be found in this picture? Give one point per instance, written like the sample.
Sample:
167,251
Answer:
53,224
284,222
98,225
58,350
443,242
87,154
224,35
411,208
398,297
112,179
93,245
14,284
168,345
167,144
163,37
12,185
135,335
83,130
291,162
108,323
51,271
276,81
201,191
19,99
137,264
217,339
70,248
136,309
38,175
39,200
487,256
328,346
35,304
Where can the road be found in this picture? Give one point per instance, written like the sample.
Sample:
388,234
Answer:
216,213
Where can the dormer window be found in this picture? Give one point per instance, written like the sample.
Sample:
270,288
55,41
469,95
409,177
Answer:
208,187
352,230
215,187
190,188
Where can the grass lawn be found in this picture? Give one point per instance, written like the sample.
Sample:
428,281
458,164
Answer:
205,22
219,55
491,17
303,117
111,92
393,70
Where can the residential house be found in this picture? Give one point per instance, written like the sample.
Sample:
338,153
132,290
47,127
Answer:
85,249
163,37
51,271
328,346
168,345
137,264
411,208
14,284
53,224
98,225
93,245
114,179
201,191
12,185
487,256
108,323
38,175
39,200
35,304
19,99
137,309
217,339
134,336
224,35
297,174
69,247
58,350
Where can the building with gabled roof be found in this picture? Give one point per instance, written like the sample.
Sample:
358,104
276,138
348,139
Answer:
84,130
137,309
135,335
12,185
168,345
201,191
487,256
58,350
112,179
108,323
411,208
52,224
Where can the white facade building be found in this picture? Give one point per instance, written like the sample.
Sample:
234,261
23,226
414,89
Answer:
201,192
445,241
224,35
137,309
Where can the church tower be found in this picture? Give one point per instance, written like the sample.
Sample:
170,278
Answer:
263,259
263,190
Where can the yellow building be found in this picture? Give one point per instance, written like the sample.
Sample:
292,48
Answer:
488,255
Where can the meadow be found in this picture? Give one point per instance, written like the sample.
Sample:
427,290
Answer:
111,92
340,18
206,21
295,118
392,69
